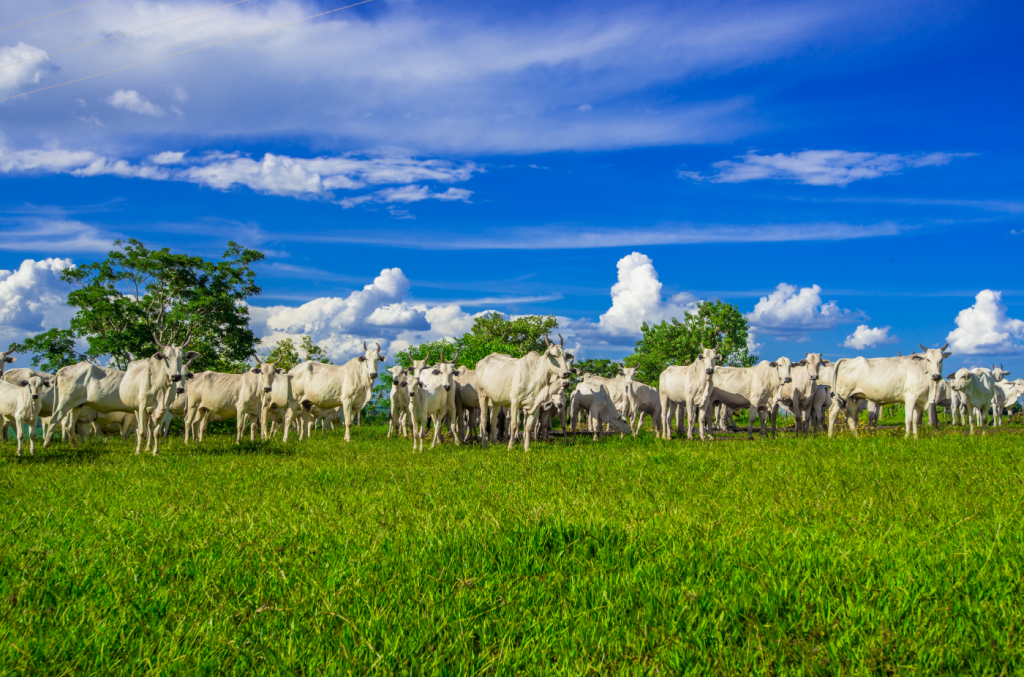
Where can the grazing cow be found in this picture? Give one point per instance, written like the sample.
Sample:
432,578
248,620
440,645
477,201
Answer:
230,395
146,389
616,387
912,380
643,399
19,406
115,423
399,400
427,401
690,388
349,385
978,389
755,388
1006,393
597,402
519,384
554,404
798,396
280,408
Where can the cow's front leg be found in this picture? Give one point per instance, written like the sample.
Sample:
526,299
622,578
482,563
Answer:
349,416
531,421
512,422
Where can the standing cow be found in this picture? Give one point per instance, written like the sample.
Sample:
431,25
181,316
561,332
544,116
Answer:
755,388
978,389
349,385
19,406
798,396
689,387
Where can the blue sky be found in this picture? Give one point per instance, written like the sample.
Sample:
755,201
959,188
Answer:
605,163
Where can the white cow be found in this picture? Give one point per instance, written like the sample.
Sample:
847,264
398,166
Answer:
616,387
280,408
595,399
912,380
1006,394
444,373
689,387
798,396
755,388
399,400
349,385
5,359
116,422
46,396
978,389
518,384
147,389
467,403
19,406
643,399
238,396
427,401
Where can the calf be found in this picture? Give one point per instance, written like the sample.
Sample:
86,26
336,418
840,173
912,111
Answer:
1006,393
19,406
643,399
597,402
399,400
426,401
977,388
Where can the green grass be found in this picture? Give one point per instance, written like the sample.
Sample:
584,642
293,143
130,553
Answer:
783,556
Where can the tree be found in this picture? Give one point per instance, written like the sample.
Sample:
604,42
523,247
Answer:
137,296
715,325
51,350
605,368
287,354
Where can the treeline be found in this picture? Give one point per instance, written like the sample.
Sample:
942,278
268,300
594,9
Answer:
139,294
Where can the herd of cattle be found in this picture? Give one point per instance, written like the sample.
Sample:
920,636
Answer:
493,399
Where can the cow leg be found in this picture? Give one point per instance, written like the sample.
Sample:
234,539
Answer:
512,422
833,416
19,426
349,415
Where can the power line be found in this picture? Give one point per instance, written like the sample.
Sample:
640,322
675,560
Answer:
120,35
49,15
194,49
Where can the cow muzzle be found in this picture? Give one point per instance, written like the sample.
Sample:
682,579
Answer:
814,378
373,375
709,371
787,380
447,387
936,377
35,397
180,390
565,374
176,378
267,389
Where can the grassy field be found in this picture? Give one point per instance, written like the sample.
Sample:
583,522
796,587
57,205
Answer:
777,556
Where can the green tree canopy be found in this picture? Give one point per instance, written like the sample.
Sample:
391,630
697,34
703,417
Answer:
138,296
601,367
51,350
715,324
287,354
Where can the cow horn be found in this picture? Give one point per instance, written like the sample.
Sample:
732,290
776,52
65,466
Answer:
547,341
378,346
364,345
899,353
158,341
427,358
944,345
561,341
458,352
188,339
441,359
11,349
923,348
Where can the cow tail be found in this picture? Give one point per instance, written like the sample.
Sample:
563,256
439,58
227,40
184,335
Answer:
835,381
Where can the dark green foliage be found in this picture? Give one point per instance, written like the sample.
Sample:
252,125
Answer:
136,294
636,556
51,350
286,353
605,368
715,324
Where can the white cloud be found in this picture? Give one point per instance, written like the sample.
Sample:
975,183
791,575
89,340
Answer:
985,328
818,167
33,299
636,298
461,78
272,174
14,78
789,312
585,107
130,100
46,235
866,337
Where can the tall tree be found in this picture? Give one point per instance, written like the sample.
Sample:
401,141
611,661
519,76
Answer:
715,325
138,296
51,350
287,354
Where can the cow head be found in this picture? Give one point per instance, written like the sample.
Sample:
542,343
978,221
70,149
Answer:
399,376
369,360
570,360
813,361
35,385
5,358
932,359
418,365
961,380
266,371
174,362
709,357
784,368
555,356
998,373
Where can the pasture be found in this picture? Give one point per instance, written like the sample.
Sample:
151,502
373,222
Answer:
636,556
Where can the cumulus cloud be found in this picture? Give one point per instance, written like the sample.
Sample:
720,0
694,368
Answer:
986,329
818,167
272,174
33,299
636,298
19,74
789,312
866,337
132,101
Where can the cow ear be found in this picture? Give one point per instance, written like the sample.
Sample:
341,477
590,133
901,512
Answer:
189,374
825,362
46,384
382,358
773,364
362,358
279,371
951,376
255,370
11,359
190,355
945,355
801,363
23,384
159,356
